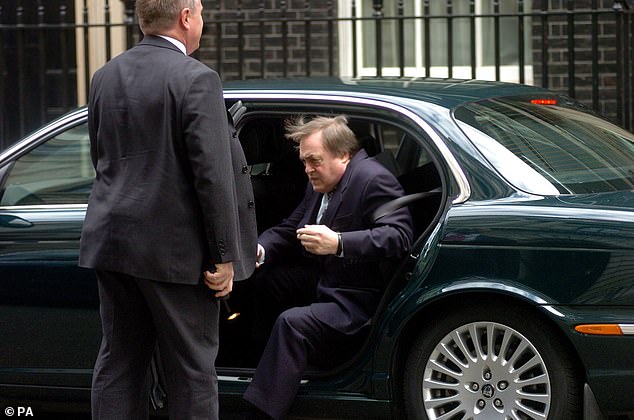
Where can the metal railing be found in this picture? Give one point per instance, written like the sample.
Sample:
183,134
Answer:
47,55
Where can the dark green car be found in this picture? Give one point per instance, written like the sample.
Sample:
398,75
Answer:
516,300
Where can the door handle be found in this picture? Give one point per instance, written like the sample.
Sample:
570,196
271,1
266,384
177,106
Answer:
11,221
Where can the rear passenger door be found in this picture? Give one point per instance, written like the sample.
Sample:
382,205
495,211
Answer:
48,305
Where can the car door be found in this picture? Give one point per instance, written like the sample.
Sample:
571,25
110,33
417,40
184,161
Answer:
49,321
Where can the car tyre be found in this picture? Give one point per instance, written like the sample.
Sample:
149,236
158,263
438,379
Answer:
490,361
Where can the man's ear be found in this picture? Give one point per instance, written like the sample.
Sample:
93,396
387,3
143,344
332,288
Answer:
184,17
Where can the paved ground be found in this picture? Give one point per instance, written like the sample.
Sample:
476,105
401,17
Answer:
51,416
77,416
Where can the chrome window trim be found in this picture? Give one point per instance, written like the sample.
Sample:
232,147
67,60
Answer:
34,139
549,212
46,207
379,101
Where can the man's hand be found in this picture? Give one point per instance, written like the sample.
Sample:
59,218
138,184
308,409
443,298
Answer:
260,256
220,280
318,239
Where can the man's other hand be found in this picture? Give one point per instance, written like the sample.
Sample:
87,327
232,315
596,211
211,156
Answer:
220,280
318,239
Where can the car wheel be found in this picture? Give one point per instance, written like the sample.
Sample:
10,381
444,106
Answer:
488,362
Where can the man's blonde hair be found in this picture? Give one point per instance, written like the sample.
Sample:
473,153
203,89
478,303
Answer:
157,16
337,137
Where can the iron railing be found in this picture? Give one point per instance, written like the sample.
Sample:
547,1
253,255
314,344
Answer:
583,49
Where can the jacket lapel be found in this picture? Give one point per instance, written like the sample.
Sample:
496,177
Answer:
311,209
337,198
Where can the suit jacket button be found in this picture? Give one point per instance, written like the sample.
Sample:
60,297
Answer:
245,169
251,204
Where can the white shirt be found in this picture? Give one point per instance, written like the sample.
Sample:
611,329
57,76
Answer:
176,42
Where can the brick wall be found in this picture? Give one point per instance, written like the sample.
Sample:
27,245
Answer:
262,23
280,26
558,53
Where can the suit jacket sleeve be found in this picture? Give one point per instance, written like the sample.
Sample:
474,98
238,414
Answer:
206,138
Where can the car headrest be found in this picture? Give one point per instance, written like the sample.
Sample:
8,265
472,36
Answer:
259,141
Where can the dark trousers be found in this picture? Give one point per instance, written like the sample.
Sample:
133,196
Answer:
276,289
298,340
139,314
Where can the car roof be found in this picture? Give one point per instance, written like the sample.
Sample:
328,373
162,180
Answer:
448,93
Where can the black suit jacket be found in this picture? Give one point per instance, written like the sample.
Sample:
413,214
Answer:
248,237
164,203
349,288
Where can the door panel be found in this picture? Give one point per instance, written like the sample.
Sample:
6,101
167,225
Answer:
50,324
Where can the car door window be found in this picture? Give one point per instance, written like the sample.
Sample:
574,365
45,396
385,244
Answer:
58,171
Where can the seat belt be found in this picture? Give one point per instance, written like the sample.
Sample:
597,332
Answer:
397,203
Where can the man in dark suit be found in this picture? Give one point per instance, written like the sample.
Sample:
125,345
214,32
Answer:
324,261
163,211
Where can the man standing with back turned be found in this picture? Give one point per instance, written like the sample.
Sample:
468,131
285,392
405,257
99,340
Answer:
162,211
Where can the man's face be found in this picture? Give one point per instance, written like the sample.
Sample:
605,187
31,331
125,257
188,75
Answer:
324,169
195,20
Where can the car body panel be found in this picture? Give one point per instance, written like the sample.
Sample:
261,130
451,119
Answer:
44,293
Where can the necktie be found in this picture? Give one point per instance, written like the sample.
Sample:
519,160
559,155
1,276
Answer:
325,199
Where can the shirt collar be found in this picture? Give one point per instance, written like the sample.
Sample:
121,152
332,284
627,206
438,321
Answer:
176,42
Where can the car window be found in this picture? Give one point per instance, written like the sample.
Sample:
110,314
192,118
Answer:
550,145
58,171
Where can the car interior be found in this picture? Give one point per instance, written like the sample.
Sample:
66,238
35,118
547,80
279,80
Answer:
279,183
49,175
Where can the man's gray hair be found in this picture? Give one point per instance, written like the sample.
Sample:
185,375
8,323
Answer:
337,137
157,16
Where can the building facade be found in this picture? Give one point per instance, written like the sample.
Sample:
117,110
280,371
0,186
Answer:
582,48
